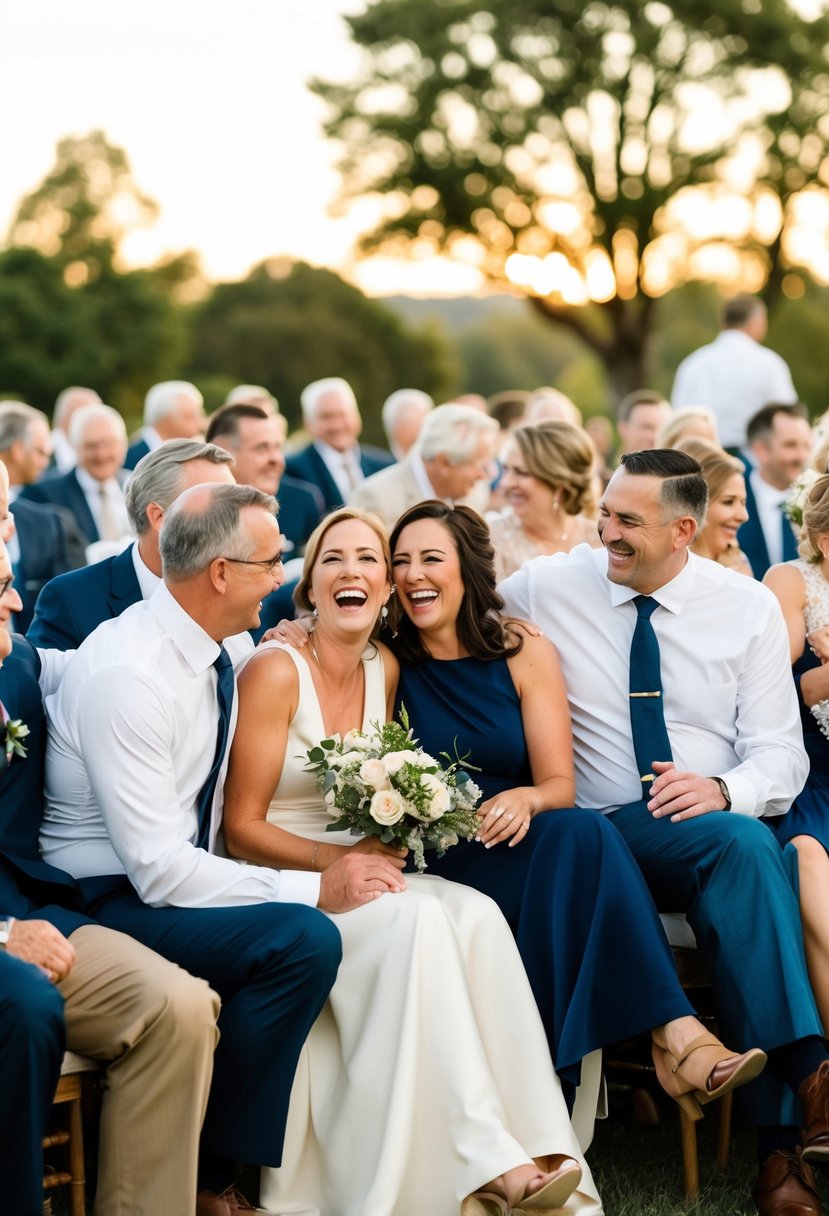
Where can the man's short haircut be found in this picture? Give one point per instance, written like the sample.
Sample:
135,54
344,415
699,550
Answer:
738,312
64,401
454,431
251,394
158,477
15,419
162,399
640,396
761,424
91,413
396,404
191,539
313,393
684,489
225,421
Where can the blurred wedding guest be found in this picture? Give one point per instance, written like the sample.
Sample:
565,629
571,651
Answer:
549,404
451,461
548,484
735,375
94,490
599,429
639,419
70,607
173,409
334,461
725,477
71,399
254,439
42,541
695,421
254,394
403,415
780,439
508,408
475,400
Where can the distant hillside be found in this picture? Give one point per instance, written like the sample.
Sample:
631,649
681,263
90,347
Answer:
456,313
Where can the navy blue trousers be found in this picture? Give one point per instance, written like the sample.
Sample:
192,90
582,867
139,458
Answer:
32,1042
727,873
273,966
586,928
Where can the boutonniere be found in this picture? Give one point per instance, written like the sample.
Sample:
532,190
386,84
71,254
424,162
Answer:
12,733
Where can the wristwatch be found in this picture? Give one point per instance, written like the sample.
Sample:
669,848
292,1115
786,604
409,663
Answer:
724,792
5,930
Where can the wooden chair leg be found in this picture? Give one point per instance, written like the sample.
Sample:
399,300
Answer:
690,1163
724,1137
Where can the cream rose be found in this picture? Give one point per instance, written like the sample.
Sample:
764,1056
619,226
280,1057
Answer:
394,761
439,803
355,740
373,773
346,758
387,807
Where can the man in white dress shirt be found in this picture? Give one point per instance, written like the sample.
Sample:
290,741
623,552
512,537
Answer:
132,751
781,443
735,375
736,753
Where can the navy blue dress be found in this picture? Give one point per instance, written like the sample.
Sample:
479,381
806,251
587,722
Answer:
809,813
586,927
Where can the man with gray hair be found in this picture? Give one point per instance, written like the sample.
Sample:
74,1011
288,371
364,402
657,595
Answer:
43,541
334,461
70,607
94,490
451,460
403,414
173,409
139,733
69,400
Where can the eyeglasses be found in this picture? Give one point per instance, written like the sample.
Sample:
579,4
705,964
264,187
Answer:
267,563
4,586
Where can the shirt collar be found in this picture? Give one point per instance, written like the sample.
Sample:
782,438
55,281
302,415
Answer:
332,456
672,595
91,485
147,581
196,647
421,476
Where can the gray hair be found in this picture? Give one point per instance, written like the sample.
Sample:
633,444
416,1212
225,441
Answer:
66,400
251,394
397,404
93,413
158,477
313,393
191,538
15,419
162,399
454,431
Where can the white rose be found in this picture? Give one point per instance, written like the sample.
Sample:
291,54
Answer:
439,803
387,807
330,805
394,761
423,760
355,740
344,759
373,773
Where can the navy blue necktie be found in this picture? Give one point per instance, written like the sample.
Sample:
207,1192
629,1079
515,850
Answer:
647,712
224,693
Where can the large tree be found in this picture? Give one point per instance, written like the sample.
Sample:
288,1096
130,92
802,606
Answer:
590,153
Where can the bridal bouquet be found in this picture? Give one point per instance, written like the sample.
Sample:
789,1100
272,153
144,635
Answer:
380,783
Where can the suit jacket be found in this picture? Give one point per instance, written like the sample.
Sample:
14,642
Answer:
752,540
29,886
392,491
301,507
308,465
49,545
72,605
135,452
66,492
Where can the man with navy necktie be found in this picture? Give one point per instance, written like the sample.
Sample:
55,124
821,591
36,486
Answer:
780,439
138,740
686,730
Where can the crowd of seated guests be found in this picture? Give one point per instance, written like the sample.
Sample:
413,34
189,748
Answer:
166,560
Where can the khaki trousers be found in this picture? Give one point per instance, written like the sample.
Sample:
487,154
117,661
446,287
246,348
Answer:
156,1026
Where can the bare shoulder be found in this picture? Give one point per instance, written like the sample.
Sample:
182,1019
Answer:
537,656
270,669
787,582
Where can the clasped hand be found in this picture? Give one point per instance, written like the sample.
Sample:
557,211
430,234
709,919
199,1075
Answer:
358,878
682,795
506,817
40,943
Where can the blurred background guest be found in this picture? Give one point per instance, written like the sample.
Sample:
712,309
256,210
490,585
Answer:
547,403
403,415
781,445
725,478
68,401
173,409
599,430
639,420
255,394
548,483
509,409
693,421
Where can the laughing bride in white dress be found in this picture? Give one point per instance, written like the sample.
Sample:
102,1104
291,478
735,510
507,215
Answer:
426,1085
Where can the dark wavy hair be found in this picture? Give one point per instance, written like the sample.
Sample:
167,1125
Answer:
480,627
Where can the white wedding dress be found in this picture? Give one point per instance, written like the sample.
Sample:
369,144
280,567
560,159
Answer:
427,1073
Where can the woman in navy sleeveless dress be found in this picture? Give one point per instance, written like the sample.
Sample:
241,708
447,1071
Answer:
586,926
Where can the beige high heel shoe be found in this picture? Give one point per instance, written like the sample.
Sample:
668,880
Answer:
485,1203
686,1079
555,1192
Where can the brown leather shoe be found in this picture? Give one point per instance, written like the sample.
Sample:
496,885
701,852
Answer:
786,1186
814,1100
229,1203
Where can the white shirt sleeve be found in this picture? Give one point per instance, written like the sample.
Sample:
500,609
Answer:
53,663
516,595
125,733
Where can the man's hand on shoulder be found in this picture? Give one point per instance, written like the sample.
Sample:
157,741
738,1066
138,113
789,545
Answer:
40,943
681,796
357,879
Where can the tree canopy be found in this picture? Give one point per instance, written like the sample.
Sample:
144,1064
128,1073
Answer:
592,154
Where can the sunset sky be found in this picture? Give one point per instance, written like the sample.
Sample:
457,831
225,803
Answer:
208,98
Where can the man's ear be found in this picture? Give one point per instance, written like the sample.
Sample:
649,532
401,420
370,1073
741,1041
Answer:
685,529
155,514
218,575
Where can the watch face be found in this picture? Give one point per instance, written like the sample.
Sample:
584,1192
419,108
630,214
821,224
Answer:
5,930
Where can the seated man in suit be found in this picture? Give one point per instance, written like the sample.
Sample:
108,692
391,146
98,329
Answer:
334,461
94,490
173,409
451,460
65,980
71,606
781,442
45,541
